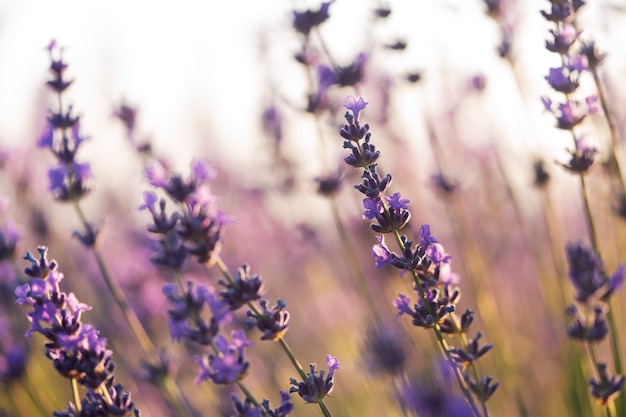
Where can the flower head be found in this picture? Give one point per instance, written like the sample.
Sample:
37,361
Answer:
228,365
355,105
317,385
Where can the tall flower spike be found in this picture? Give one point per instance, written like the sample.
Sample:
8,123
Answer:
75,348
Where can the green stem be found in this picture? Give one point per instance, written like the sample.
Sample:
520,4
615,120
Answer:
170,389
282,342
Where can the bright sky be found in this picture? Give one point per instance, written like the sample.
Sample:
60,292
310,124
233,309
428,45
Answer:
195,69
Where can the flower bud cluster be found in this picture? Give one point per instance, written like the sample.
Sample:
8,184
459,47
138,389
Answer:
199,313
76,349
593,289
576,58
69,179
427,261
194,230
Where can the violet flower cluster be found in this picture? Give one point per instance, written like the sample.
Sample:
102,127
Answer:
426,261
69,179
199,313
75,348
593,291
565,79
194,230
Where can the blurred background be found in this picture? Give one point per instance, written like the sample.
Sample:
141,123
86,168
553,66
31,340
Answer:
221,81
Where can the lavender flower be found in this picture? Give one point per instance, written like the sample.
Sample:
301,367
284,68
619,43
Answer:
606,387
245,288
317,385
426,399
585,330
305,21
428,262
384,349
468,355
193,231
69,180
247,409
272,322
585,271
582,156
185,318
228,364
13,361
76,349
352,74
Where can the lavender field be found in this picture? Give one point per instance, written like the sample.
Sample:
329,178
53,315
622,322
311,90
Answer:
341,208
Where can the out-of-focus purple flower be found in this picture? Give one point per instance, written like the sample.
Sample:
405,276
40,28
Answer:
382,12
444,183
185,317
582,157
404,305
353,73
318,100
272,123
436,253
560,11
563,39
228,365
127,114
13,362
328,184
540,174
157,175
433,400
564,79
447,276
604,388
46,140
584,329
303,22
570,113
382,255
594,57
384,349
70,181
317,385
585,271
478,82
9,236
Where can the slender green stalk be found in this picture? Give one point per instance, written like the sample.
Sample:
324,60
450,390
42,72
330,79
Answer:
282,342
172,392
